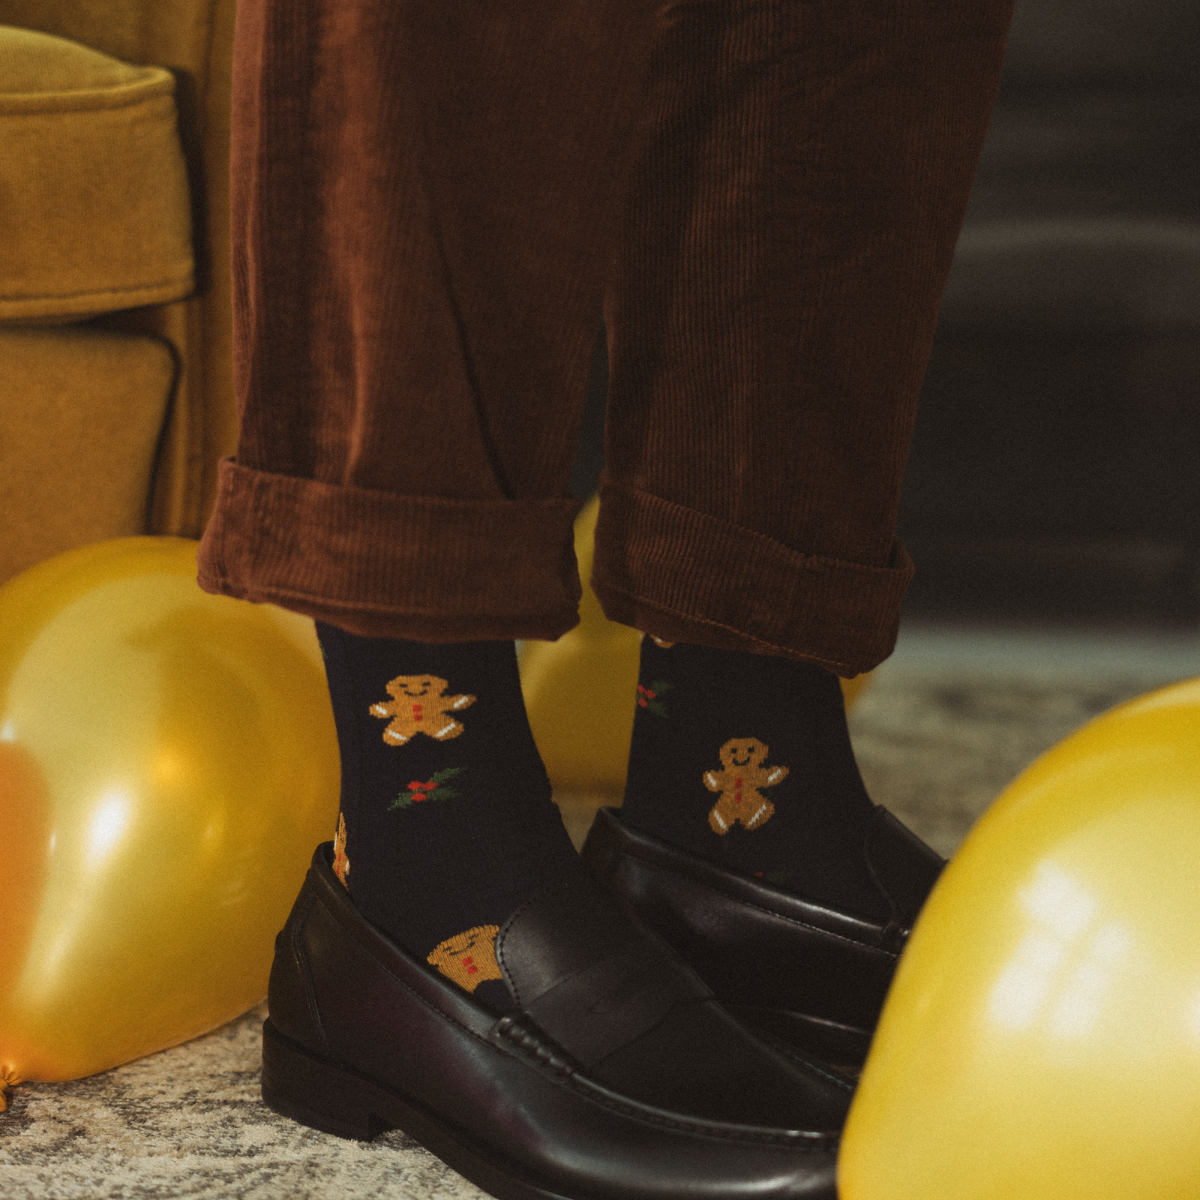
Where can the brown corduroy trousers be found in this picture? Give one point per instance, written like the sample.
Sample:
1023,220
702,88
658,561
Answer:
431,201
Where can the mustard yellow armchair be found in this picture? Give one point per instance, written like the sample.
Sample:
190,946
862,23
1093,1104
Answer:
115,373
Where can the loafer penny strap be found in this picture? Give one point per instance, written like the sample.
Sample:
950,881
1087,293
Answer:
586,974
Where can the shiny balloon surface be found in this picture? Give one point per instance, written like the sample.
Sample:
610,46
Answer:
1042,1038
167,763
580,691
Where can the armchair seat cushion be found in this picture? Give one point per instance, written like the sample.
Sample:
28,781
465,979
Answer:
81,412
93,185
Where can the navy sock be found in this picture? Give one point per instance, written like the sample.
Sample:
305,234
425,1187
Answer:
446,821
745,760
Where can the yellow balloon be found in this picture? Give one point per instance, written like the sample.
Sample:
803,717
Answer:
167,762
580,691
1041,1040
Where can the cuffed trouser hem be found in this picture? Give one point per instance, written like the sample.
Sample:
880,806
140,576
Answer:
384,565
684,576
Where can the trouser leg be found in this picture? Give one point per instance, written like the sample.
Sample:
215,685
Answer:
801,174
423,202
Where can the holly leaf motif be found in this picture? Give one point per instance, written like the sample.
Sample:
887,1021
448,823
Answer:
439,791
648,697
659,687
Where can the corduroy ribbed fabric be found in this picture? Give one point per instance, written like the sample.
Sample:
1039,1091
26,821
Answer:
346,555
431,201
800,176
741,589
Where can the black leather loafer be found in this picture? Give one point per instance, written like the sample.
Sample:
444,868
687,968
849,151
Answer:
797,969
361,1037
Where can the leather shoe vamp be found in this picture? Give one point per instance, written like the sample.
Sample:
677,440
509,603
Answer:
752,944
620,1004
503,1090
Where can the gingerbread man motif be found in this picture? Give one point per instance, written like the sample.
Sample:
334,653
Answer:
419,706
468,958
739,783
341,864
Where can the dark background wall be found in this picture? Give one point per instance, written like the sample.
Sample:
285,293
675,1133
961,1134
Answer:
1054,465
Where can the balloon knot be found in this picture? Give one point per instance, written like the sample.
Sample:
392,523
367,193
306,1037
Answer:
8,1081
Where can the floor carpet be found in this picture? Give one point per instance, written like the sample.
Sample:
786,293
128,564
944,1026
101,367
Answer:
949,721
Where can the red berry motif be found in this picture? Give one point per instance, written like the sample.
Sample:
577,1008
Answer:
648,697
778,878
432,789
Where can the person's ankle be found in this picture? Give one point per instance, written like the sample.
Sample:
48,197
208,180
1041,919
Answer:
446,823
745,760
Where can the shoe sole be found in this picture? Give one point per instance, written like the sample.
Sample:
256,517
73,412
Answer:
339,1101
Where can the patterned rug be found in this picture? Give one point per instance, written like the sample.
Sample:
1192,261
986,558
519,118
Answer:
936,740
